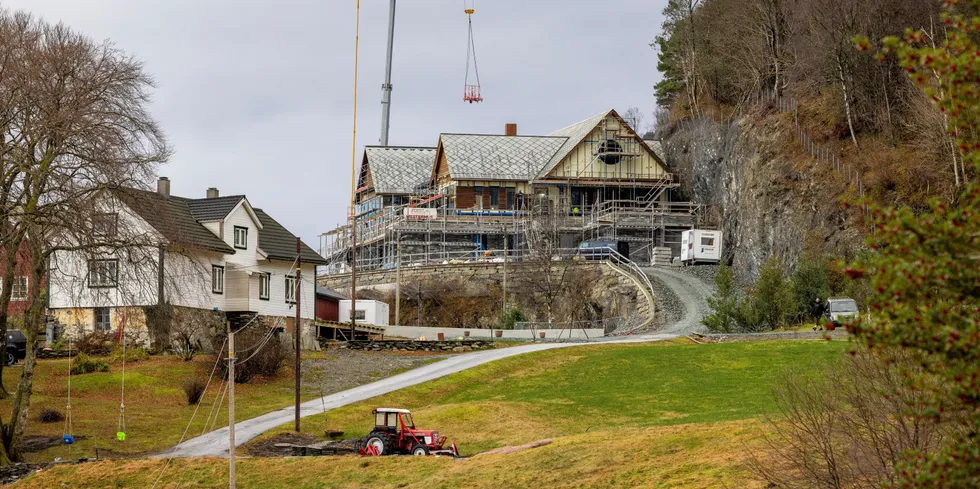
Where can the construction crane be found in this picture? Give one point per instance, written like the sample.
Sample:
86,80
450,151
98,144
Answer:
471,92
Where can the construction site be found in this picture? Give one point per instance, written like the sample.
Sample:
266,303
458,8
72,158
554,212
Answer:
494,197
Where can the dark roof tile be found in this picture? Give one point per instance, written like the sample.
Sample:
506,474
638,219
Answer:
172,217
280,244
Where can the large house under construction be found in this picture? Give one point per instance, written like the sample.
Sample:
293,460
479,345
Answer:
479,196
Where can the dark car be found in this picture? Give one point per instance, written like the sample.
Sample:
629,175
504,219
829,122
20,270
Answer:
16,346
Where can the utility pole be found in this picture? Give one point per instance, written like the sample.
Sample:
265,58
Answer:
231,406
386,87
398,279
296,329
353,181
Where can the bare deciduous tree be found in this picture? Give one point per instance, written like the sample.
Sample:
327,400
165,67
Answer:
74,125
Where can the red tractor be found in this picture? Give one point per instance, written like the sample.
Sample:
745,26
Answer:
395,433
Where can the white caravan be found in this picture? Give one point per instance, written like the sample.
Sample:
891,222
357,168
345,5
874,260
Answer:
700,245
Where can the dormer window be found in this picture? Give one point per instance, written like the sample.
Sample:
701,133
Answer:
241,238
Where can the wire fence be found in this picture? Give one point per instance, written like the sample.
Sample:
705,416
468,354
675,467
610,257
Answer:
607,325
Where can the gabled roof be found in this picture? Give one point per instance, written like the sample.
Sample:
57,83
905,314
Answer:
213,209
325,292
398,169
497,157
280,244
573,134
172,218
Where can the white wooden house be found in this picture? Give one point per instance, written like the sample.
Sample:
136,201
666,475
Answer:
216,254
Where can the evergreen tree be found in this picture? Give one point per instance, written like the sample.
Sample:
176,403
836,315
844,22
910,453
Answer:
724,303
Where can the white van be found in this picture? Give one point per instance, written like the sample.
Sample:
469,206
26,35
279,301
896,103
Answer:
700,246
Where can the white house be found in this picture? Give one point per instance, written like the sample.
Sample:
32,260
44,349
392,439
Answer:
216,254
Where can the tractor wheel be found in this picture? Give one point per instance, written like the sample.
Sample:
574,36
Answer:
380,442
420,451
11,359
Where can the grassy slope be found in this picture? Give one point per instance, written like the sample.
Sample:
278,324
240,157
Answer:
621,416
156,406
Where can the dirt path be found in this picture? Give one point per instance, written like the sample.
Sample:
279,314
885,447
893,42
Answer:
688,300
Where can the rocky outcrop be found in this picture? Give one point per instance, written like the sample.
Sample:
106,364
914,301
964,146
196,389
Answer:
768,197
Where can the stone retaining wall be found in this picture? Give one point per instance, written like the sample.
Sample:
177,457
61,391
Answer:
430,346
620,295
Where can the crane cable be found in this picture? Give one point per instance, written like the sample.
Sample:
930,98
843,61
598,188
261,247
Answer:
471,53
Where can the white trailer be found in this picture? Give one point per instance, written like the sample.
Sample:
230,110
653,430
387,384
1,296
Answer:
368,312
700,245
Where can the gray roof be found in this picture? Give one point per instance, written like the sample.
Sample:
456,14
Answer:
497,157
214,209
330,293
657,148
573,134
280,244
398,170
172,217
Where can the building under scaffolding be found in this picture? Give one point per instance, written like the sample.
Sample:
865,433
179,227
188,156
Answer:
474,196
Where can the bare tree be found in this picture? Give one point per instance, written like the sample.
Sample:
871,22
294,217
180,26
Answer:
75,125
634,117
852,425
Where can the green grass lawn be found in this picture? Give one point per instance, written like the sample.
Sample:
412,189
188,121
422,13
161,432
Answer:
156,406
671,415
568,391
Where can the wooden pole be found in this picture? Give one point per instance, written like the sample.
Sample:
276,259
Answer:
231,407
296,327
353,182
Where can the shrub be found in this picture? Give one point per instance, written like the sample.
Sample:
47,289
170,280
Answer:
771,300
133,354
194,389
724,303
511,317
260,354
93,342
809,281
84,364
48,415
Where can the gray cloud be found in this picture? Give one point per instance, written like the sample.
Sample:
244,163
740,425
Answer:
256,96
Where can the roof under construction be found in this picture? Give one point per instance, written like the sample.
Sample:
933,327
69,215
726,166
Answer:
398,169
497,157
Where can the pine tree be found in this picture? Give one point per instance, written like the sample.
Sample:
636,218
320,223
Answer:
724,303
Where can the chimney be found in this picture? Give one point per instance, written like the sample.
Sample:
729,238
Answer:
213,193
163,187
510,129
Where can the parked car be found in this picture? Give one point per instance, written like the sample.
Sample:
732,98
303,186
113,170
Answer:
842,310
16,346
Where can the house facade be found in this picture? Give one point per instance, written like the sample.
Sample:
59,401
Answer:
218,255
486,193
22,271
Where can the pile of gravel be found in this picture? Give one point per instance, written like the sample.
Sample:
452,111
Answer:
707,273
669,306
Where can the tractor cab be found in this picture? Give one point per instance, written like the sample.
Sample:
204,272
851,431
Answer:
393,420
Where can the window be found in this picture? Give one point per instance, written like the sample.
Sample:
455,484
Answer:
359,314
217,279
105,225
707,241
265,281
241,238
290,289
103,273
494,196
510,198
19,292
102,319
478,197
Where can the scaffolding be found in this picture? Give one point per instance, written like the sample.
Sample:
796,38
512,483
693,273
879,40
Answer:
610,198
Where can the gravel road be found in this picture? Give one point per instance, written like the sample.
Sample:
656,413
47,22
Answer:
682,296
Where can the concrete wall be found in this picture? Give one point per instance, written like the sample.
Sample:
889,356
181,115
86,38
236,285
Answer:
454,333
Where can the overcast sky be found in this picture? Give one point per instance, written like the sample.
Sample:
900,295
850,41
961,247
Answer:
257,96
